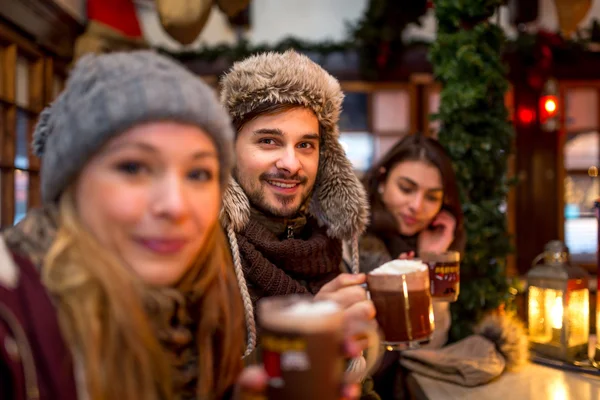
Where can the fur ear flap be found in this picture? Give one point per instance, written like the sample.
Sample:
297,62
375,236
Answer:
339,200
236,207
9,273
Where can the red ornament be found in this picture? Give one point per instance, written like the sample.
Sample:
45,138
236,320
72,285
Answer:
384,55
118,14
525,115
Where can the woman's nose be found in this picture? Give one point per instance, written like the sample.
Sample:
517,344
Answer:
417,202
170,199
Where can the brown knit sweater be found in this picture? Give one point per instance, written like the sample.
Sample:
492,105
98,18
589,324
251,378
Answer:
302,264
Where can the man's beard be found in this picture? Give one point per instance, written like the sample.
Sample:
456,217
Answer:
257,197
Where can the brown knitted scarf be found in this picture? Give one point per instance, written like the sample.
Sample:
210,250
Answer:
278,267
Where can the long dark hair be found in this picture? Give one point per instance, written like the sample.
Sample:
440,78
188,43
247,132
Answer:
413,148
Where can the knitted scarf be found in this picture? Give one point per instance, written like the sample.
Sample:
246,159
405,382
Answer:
302,264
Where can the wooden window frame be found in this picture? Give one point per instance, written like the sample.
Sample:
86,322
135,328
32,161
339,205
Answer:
12,47
563,88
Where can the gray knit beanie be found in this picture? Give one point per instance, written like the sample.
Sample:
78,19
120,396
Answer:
107,94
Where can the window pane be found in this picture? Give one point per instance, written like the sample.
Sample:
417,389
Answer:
355,112
580,223
581,108
22,81
21,185
581,150
359,147
384,143
391,111
1,73
434,107
21,154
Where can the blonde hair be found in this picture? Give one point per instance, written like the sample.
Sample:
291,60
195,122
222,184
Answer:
101,313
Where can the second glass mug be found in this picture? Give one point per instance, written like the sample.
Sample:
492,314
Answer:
403,303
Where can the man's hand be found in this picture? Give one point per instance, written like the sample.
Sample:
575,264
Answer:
359,311
251,384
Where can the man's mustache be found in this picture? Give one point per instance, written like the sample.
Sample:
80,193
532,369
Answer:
284,177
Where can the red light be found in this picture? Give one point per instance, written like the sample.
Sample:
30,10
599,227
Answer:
548,107
526,115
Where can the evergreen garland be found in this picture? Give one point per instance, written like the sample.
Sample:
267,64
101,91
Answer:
466,57
378,33
244,49
376,37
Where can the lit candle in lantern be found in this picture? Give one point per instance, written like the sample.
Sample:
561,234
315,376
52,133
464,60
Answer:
556,318
558,300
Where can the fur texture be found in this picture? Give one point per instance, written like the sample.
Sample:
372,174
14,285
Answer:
9,273
339,201
32,236
508,333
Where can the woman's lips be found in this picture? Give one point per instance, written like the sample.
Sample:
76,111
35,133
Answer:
408,220
163,246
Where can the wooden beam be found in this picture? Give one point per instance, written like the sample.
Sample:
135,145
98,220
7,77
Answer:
10,36
537,212
7,140
45,22
37,95
34,196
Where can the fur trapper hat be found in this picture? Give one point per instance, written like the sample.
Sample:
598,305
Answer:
338,201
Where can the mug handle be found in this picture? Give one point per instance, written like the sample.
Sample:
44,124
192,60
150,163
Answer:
357,372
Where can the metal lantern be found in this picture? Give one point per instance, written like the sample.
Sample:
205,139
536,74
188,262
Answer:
558,306
595,358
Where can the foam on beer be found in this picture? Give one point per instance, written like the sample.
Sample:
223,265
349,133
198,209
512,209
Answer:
310,309
389,276
399,267
304,316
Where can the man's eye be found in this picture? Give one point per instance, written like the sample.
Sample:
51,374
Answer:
267,141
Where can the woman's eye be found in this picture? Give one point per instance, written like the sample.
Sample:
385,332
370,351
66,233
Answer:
131,167
434,198
405,189
201,175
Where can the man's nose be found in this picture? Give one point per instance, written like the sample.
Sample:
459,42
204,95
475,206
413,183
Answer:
288,161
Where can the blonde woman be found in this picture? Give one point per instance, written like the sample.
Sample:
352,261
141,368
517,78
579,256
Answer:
121,287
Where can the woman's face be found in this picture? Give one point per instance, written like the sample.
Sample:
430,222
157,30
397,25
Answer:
150,196
413,193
